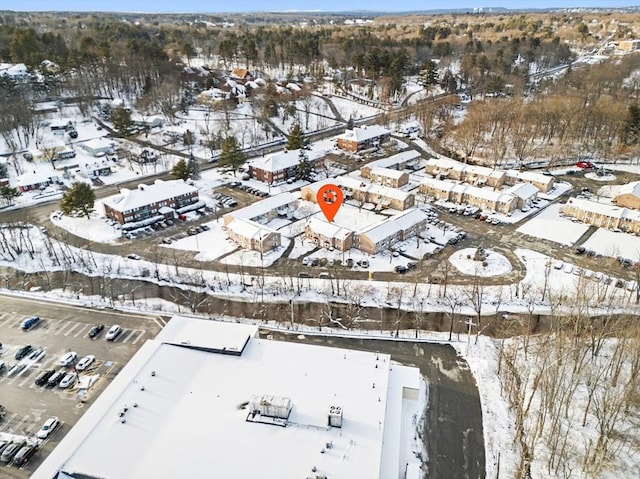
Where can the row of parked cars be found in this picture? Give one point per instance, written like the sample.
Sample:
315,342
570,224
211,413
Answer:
249,189
331,262
17,451
224,201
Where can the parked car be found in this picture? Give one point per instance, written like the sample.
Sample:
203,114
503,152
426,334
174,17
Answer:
29,322
305,261
113,332
25,452
44,376
133,256
401,269
363,263
85,362
68,380
67,359
23,351
56,377
48,427
97,329
12,450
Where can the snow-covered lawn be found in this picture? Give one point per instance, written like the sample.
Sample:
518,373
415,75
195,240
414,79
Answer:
550,225
255,258
496,264
352,109
301,247
613,244
210,245
95,229
596,177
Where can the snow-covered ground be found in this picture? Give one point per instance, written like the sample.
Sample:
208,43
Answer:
613,244
95,229
551,226
496,264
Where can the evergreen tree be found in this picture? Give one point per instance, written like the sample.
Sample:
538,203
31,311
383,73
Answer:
296,138
121,119
7,193
180,170
305,169
193,168
231,156
4,171
351,124
632,126
80,198
428,74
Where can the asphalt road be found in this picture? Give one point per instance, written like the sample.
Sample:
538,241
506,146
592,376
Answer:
62,328
452,435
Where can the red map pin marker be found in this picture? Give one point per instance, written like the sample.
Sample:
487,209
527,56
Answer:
330,200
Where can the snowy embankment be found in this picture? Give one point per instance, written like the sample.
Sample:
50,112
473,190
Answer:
543,289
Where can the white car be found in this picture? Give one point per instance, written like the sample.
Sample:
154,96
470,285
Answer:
133,256
48,427
67,359
85,362
113,332
68,380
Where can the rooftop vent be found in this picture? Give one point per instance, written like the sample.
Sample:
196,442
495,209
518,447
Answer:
335,416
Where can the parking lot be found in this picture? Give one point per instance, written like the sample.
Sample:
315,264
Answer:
61,329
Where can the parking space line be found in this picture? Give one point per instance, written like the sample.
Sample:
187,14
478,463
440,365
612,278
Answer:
75,325
142,333
6,422
19,423
126,337
12,322
81,332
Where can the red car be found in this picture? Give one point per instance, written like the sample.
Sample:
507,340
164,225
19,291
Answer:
587,165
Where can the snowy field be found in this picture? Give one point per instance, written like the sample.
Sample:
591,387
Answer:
496,264
94,229
613,244
553,227
255,258
210,245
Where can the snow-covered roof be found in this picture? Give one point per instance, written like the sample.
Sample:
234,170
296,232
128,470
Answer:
381,190
262,207
17,70
364,133
250,229
530,176
98,144
632,188
387,172
282,160
293,87
522,190
32,178
404,157
604,209
328,230
391,226
449,164
438,184
488,194
97,165
179,409
145,195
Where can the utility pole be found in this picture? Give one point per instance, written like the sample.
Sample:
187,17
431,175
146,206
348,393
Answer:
470,323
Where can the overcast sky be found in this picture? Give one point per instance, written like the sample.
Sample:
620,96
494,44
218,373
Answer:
279,5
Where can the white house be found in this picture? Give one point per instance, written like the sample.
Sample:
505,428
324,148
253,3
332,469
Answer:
98,147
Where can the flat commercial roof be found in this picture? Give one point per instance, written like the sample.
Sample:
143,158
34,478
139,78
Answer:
185,411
